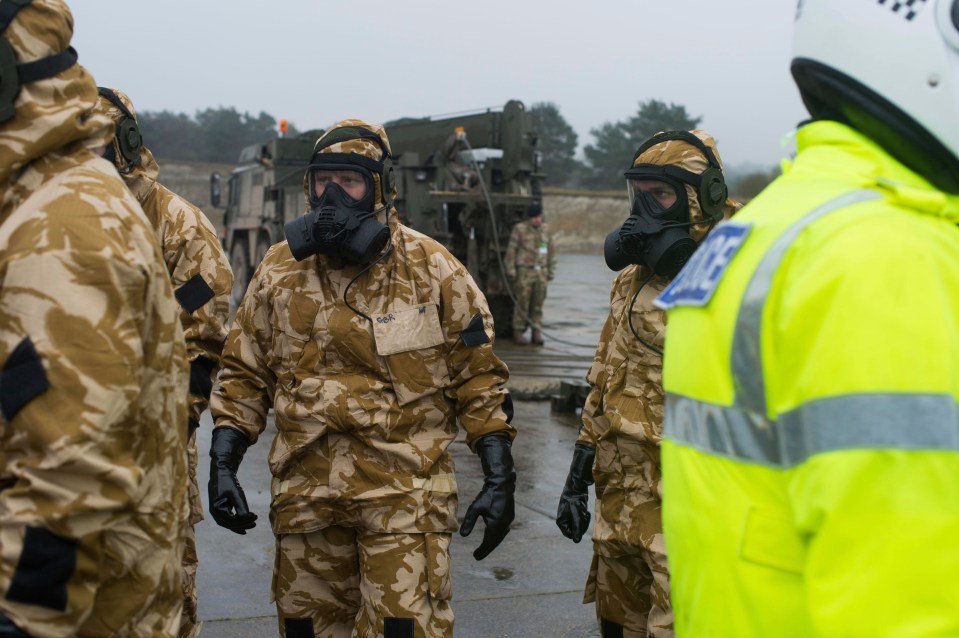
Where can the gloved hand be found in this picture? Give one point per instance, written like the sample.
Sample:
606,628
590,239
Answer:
572,516
8,629
227,500
495,501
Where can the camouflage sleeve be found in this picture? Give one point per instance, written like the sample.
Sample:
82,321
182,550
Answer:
509,259
478,376
202,282
245,389
594,418
72,332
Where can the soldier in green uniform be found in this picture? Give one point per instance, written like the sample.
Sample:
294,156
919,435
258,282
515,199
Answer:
202,282
677,194
530,262
93,417
373,346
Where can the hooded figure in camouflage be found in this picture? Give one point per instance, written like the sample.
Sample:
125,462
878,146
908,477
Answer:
202,282
372,344
94,417
677,195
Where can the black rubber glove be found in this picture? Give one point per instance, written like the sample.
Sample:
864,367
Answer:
227,500
495,501
572,516
191,427
8,629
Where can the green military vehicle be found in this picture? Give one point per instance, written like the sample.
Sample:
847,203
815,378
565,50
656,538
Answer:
463,179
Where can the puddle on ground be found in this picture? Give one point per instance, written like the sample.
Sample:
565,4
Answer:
502,573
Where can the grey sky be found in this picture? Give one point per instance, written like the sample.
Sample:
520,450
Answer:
316,61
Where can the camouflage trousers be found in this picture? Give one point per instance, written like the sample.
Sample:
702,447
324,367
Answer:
529,288
140,589
631,591
344,582
189,624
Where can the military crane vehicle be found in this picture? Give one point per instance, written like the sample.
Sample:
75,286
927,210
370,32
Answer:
464,179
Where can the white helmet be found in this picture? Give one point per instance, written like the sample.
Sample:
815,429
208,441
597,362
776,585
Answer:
889,69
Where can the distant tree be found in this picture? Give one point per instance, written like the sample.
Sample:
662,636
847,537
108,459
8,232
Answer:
171,135
751,184
616,142
225,132
556,142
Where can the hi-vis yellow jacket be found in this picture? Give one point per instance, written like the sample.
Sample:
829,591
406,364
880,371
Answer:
811,445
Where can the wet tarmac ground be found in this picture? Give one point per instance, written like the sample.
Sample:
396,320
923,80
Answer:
532,584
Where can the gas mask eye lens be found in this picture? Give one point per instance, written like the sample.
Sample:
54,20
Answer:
658,195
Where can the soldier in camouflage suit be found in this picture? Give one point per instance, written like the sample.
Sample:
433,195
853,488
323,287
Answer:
618,444
202,282
370,364
530,264
93,429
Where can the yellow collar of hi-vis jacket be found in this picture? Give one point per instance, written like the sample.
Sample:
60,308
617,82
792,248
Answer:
831,148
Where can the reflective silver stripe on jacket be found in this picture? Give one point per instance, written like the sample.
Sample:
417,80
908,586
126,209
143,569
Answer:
856,421
863,421
746,356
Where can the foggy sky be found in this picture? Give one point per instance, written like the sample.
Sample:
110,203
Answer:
317,61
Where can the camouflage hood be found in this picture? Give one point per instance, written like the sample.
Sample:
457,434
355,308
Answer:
362,146
53,113
684,155
141,179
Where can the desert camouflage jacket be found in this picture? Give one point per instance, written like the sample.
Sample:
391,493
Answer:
200,271
623,414
365,408
625,402
530,247
93,426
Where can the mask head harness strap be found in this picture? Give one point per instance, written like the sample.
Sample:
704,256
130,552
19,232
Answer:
710,184
14,75
129,141
382,168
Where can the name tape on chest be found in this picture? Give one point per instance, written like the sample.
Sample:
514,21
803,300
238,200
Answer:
699,278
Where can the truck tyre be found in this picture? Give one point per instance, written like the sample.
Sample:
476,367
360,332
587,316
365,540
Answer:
501,307
240,263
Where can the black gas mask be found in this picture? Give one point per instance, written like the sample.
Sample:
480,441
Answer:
652,235
337,224
657,235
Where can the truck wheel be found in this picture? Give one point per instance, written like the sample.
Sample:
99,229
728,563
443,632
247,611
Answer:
501,307
240,263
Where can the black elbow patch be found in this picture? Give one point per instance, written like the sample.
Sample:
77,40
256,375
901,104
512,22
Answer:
22,380
298,628
46,564
201,377
194,294
397,628
475,332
